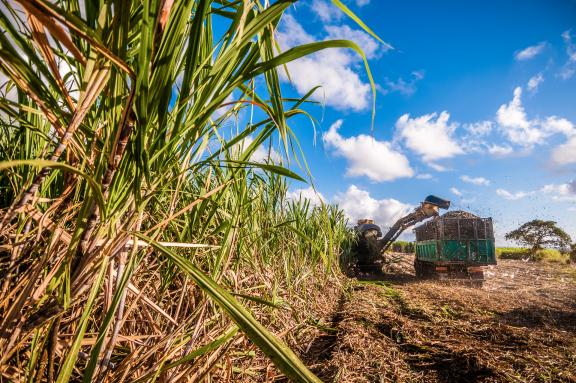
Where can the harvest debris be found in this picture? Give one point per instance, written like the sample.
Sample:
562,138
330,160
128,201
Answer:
521,327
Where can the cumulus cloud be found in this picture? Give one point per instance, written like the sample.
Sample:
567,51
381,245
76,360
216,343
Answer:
552,125
455,191
569,67
530,52
430,136
520,130
480,181
358,204
566,153
316,198
433,137
512,196
527,133
366,156
514,123
333,69
535,82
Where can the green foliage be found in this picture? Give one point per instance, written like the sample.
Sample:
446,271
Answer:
538,234
519,253
138,137
403,247
516,253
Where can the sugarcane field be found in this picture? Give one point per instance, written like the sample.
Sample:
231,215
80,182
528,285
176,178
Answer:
287,191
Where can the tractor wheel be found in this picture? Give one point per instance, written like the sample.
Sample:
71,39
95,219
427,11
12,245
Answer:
419,269
368,252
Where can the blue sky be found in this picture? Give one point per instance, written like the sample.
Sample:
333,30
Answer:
475,103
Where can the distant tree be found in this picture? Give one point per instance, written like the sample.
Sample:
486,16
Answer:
538,234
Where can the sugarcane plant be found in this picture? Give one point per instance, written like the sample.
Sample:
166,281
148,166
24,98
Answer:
138,237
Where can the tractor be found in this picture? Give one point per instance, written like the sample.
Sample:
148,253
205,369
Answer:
453,246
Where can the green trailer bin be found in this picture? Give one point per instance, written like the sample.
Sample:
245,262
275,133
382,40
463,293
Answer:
455,246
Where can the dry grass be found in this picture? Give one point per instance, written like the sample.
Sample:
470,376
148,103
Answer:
521,327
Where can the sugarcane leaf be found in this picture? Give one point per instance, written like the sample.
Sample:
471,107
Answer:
94,186
282,356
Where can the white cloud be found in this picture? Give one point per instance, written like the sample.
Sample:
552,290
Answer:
535,82
292,33
500,151
519,130
316,198
530,52
437,167
424,176
479,129
522,131
362,3
514,123
370,47
561,192
481,181
433,137
512,196
405,87
566,153
455,191
367,156
326,11
552,125
430,136
474,139
569,67
333,69
358,204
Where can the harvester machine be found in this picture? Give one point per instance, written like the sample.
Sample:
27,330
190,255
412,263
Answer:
453,246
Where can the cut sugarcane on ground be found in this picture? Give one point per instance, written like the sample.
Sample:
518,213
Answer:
521,327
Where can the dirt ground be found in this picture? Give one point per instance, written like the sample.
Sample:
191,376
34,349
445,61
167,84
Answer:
520,327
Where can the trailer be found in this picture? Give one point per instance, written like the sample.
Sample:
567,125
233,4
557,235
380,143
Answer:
455,246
